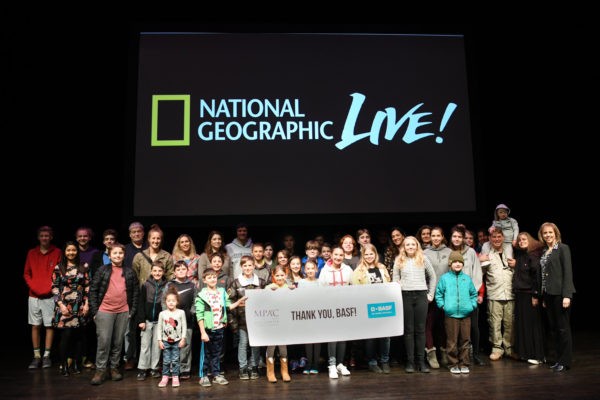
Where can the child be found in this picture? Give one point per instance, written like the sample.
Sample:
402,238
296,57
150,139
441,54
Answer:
186,288
279,282
260,266
325,254
172,331
312,250
216,263
313,350
70,287
295,275
336,274
114,296
509,225
247,280
371,271
211,310
455,294
151,294
268,252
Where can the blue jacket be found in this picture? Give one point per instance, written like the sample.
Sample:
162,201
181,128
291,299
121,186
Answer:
456,294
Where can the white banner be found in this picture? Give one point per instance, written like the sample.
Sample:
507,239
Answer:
320,314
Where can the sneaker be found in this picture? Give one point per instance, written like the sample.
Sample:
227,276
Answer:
333,374
175,382
455,370
155,373
141,375
46,362
244,374
253,373
293,365
464,370
204,381
343,370
115,375
306,372
386,368
314,372
220,379
375,368
36,363
164,381
534,362
302,362
185,375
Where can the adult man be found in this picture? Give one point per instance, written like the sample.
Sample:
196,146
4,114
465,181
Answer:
39,265
501,299
240,246
137,244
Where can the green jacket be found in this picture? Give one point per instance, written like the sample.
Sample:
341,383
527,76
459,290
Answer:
204,310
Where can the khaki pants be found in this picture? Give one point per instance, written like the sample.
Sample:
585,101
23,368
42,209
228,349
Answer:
500,318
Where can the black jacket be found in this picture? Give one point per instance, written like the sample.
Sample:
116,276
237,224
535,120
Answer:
100,285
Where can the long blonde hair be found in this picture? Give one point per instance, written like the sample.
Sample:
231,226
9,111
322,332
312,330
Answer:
419,257
362,268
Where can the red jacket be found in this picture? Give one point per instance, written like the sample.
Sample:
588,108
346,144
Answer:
38,270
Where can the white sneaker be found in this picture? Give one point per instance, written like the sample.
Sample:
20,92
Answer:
464,370
534,362
343,370
333,372
455,370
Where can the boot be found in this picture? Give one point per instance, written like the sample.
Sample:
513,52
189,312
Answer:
423,366
271,370
284,370
99,377
443,357
64,369
432,359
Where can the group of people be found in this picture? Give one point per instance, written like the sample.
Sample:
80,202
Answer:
103,301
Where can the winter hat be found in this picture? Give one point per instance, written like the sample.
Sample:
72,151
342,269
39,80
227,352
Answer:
455,256
504,206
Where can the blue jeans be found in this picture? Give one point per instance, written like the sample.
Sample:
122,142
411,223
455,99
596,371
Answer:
383,351
243,346
170,359
212,351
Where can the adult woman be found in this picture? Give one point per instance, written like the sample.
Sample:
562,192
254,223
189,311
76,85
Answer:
185,250
214,244
393,250
529,339
423,235
142,262
556,277
417,277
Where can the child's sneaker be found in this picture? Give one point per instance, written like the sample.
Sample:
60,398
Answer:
464,370
220,379
163,382
343,370
204,381
302,362
333,374
455,370
175,382
244,374
306,372
314,372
